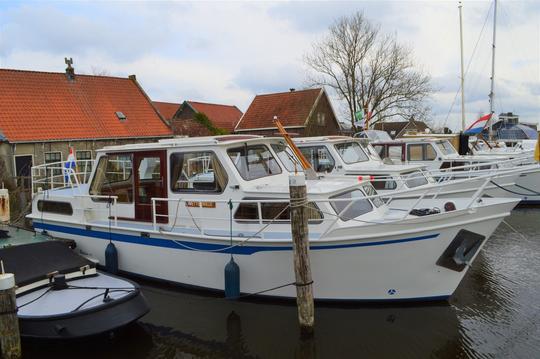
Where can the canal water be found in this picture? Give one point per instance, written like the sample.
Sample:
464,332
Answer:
493,314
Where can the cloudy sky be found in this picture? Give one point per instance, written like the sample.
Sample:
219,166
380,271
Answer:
226,52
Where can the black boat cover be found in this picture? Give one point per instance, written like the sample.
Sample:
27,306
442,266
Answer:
33,262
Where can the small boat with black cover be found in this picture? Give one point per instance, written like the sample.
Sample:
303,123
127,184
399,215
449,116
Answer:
60,294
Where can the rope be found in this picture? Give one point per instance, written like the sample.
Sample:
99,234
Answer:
271,289
231,246
533,193
516,231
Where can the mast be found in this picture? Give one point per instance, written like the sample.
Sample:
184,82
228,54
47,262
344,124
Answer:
462,75
491,94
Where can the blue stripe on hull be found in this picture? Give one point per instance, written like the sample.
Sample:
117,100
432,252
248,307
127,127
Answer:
177,244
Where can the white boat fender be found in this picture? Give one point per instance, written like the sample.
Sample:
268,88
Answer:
111,258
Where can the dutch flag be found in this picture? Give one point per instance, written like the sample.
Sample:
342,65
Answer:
477,125
69,165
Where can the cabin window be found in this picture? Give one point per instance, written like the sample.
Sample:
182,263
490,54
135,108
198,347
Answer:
446,148
384,182
351,152
395,152
55,207
319,157
380,150
255,161
113,177
415,179
421,152
83,155
348,210
274,211
197,172
430,154
370,191
287,158
415,153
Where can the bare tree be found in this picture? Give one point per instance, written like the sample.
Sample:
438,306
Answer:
368,69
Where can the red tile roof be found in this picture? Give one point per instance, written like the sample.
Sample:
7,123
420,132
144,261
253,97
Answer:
40,106
167,109
222,116
292,109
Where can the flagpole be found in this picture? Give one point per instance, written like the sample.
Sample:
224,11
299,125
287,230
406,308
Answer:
462,74
491,94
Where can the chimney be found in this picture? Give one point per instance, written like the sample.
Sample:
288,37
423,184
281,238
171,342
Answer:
132,78
70,71
292,89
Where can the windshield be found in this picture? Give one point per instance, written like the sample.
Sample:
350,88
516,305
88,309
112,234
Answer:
446,148
287,158
255,161
415,179
355,207
351,152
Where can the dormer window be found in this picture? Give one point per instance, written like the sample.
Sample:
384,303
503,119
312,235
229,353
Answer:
121,116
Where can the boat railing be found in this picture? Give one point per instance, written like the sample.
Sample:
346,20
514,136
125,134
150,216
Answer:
265,222
60,174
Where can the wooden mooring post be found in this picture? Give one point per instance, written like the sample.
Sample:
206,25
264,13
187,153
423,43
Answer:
10,340
302,268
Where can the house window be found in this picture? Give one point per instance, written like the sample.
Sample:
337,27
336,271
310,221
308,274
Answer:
197,172
83,155
113,177
52,157
321,120
319,157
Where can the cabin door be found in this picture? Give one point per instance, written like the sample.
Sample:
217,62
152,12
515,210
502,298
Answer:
150,182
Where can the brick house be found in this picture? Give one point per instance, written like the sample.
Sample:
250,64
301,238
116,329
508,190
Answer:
221,117
303,113
42,114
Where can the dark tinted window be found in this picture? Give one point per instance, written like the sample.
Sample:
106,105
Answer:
55,207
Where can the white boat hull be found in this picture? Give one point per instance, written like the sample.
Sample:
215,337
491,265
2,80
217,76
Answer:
397,263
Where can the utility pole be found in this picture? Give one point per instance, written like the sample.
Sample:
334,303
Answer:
302,269
462,70
492,94
10,339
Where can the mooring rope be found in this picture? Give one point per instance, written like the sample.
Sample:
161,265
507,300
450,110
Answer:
533,193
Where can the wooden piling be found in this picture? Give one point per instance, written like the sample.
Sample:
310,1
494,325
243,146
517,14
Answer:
10,340
302,268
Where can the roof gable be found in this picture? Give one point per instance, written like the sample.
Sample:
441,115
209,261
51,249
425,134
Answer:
222,116
166,109
41,106
292,108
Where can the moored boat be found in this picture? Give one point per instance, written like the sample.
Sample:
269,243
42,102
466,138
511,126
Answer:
177,210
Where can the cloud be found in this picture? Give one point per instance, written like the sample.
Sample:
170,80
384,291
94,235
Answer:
228,52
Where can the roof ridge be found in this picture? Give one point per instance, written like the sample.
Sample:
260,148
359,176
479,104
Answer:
290,92
61,73
169,103
211,103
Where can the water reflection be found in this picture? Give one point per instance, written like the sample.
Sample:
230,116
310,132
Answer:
494,313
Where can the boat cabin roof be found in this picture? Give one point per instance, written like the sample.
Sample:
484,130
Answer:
191,142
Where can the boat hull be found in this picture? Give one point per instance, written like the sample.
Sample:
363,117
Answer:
397,264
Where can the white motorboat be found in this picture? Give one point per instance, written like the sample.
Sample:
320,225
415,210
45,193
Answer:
340,155
441,158
168,225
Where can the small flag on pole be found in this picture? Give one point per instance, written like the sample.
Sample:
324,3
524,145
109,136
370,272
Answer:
70,164
477,125
359,118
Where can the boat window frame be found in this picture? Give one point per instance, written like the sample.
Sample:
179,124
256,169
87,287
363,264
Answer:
245,145
215,192
57,207
329,156
131,178
338,213
352,143
286,202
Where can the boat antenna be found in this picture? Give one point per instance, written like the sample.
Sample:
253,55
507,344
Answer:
492,94
462,74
